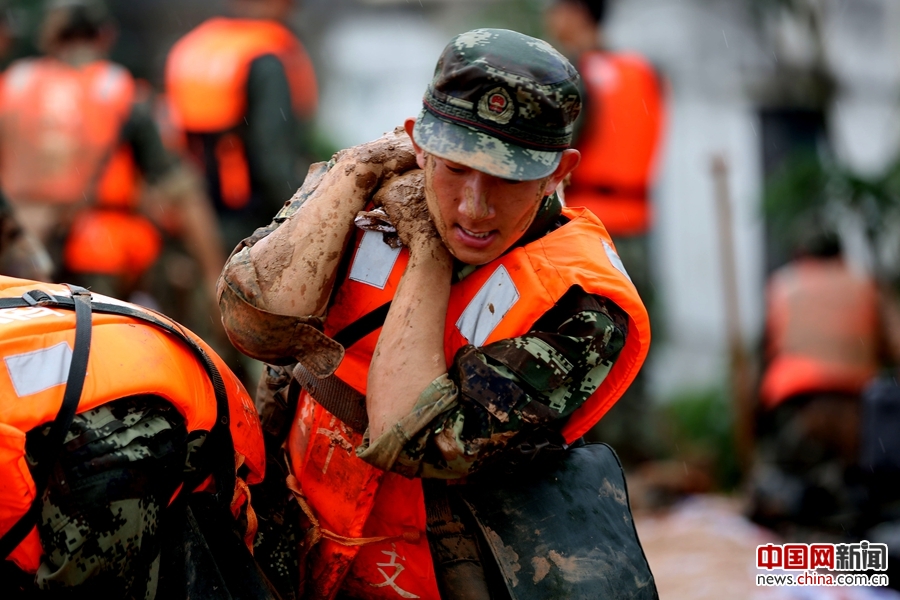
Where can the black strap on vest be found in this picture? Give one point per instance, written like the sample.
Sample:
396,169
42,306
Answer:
336,396
363,326
217,450
53,442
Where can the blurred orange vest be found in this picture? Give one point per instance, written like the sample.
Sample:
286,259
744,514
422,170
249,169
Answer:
127,357
500,300
823,331
206,81
619,141
60,127
60,143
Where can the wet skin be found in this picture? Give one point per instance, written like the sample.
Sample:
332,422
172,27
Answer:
479,216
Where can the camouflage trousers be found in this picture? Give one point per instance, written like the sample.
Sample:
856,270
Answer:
100,520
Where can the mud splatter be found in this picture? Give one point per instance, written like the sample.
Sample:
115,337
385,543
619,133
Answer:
403,199
580,568
541,568
366,181
506,556
608,490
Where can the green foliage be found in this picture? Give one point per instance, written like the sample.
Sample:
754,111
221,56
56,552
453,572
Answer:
808,186
524,16
796,188
699,426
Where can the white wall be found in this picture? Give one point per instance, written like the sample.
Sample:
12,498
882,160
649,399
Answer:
708,54
377,69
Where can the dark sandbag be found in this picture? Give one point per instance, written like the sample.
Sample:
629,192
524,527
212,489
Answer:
566,533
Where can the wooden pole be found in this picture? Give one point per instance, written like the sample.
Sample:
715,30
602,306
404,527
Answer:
739,361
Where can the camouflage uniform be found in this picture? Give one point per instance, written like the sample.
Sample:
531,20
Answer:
100,520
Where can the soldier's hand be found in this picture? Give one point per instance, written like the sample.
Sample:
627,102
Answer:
390,155
403,199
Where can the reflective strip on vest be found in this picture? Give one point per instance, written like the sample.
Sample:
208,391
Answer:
374,260
615,260
33,372
488,307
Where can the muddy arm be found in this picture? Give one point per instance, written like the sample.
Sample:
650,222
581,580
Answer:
296,264
410,350
275,287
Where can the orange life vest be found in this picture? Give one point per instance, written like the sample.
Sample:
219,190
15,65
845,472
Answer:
127,357
497,301
206,81
60,143
823,329
59,126
619,141
110,237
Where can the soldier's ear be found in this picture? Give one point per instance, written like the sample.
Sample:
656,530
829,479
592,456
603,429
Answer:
420,153
568,162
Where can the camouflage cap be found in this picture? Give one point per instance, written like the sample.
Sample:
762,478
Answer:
500,102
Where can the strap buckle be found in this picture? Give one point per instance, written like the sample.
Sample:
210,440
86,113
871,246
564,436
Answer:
38,298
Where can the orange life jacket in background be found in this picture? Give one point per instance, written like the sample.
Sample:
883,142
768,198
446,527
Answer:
619,141
823,331
500,300
59,127
206,81
60,143
127,357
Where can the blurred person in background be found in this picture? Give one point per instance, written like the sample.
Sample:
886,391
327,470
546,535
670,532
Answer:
829,331
78,144
619,136
21,254
243,89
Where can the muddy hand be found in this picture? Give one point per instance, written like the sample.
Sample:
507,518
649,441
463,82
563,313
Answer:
403,199
386,157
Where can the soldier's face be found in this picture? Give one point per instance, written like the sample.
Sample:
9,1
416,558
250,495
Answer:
480,216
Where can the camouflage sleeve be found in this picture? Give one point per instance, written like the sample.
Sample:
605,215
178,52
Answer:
99,525
491,394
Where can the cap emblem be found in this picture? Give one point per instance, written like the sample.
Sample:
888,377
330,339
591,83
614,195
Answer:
497,106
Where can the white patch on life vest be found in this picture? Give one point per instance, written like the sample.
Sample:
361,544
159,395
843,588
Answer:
615,260
26,313
111,82
374,260
488,307
18,76
33,372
